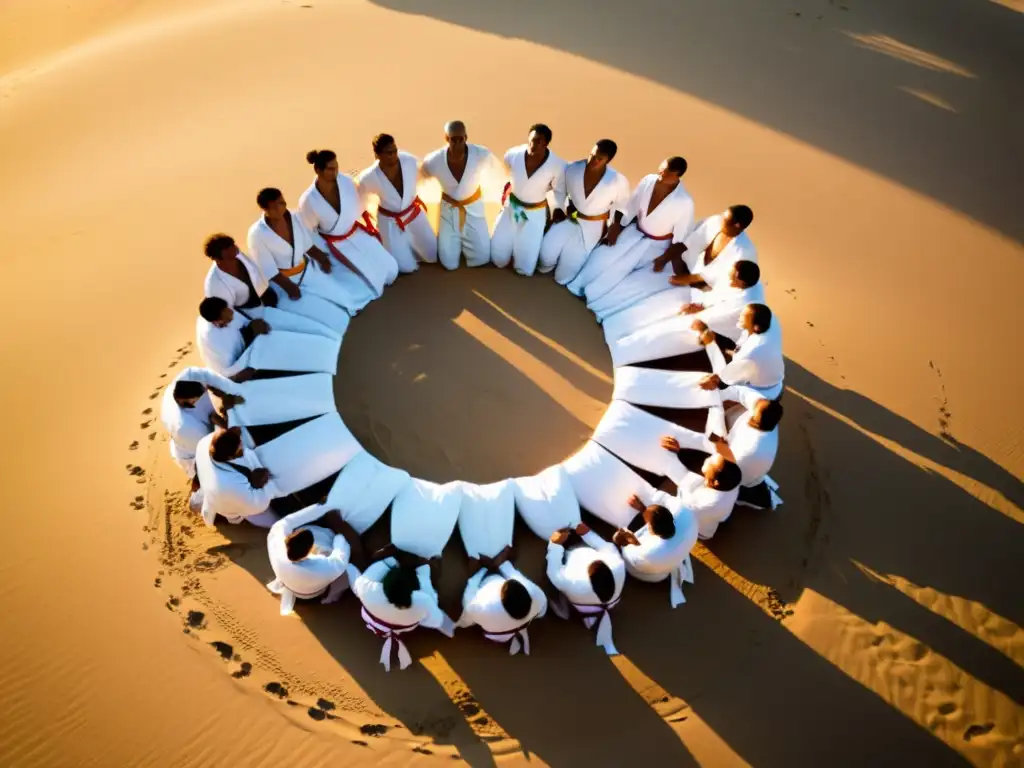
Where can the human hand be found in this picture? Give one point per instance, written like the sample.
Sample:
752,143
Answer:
612,235
582,529
259,327
561,536
636,503
691,309
710,382
260,477
669,443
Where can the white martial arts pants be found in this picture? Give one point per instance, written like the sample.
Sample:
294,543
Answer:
519,241
416,242
563,250
474,240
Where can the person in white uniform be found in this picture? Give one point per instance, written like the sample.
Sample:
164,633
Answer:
719,306
700,276
460,168
404,229
654,547
188,414
753,441
498,598
310,551
235,485
222,334
656,543
649,236
715,244
331,207
710,485
590,573
594,192
755,361
397,598
289,258
534,172
235,277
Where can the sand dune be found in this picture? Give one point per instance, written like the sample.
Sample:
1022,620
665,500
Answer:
875,618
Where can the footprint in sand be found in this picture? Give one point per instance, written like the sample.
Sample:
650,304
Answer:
243,671
134,446
316,714
373,729
147,412
225,650
976,730
325,705
276,689
196,619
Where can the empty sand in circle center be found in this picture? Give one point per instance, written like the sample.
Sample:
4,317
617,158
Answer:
477,374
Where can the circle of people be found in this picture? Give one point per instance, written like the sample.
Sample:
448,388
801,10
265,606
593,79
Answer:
258,430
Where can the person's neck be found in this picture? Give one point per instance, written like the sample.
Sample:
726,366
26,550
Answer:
324,185
456,154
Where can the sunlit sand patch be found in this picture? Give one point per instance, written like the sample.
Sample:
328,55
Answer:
1013,5
586,409
979,490
706,746
928,98
891,47
971,616
572,357
482,724
975,720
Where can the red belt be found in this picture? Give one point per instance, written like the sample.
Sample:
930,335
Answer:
406,217
365,224
649,236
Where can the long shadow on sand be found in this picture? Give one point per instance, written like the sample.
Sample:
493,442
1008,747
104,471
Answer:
920,91
852,506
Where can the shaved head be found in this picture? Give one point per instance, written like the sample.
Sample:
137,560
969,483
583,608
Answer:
454,127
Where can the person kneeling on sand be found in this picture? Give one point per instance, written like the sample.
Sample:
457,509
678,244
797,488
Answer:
755,361
710,486
751,443
234,484
590,572
310,551
188,416
222,334
396,598
656,545
502,602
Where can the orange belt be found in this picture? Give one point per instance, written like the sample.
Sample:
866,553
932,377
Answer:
406,217
293,271
602,217
461,205
649,236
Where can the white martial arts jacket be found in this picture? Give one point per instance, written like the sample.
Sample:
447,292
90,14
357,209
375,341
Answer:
709,505
757,362
226,491
187,426
567,571
611,195
390,622
654,559
754,449
534,189
481,605
311,576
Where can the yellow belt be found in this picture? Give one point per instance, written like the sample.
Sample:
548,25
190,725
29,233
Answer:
598,217
461,205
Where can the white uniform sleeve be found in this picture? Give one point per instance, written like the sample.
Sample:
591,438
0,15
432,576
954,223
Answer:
745,396
264,260
684,223
558,188
208,378
622,194
633,204
472,588
435,617
599,544
555,565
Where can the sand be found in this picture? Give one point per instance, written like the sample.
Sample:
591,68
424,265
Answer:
874,619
